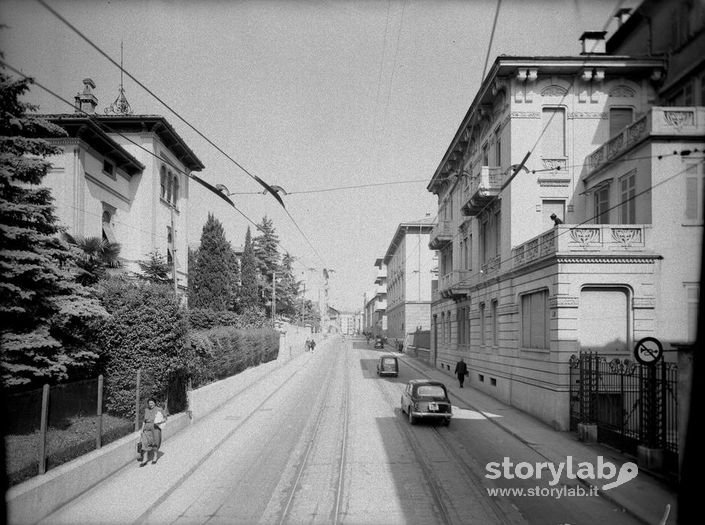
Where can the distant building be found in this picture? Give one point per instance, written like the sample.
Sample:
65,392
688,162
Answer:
410,266
124,178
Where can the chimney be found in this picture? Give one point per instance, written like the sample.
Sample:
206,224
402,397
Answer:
86,102
593,43
623,15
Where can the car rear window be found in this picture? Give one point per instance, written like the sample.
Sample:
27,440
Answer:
431,391
389,361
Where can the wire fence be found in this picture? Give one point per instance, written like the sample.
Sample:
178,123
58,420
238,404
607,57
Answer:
49,426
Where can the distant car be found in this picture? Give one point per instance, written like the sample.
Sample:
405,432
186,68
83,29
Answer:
425,399
388,366
379,342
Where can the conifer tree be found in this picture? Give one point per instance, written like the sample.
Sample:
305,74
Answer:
249,297
213,274
266,248
44,310
287,287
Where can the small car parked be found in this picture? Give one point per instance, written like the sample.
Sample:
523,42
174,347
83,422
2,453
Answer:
388,366
425,399
379,342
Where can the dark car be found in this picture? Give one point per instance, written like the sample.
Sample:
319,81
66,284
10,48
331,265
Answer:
388,366
379,342
425,399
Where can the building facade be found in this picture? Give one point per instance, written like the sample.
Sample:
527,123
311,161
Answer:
410,266
519,292
124,178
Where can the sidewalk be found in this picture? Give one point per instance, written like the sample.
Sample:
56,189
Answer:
644,497
130,494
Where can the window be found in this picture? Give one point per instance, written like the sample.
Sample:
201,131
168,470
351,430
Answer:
627,208
497,231
553,124
482,324
449,328
169,186
484,241
619,118
175,191
602,204
466,320
694,194
460,314
550,207
108,167
163,183
443,327
692,298
498,148
107,220
468,247
485,154
169,245
603,319
465,253
495,338
534,320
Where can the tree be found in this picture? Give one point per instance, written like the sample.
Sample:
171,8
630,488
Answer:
155,268
213,275
266,249
248,274
94,257
287,287
45,312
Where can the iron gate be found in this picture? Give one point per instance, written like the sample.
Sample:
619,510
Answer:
631,404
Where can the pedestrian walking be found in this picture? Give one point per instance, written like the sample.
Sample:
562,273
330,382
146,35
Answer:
313,344
461,370
151,437
308,344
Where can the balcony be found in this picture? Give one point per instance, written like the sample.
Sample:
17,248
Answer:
481,189
454,284
380,305
593,240
441,234
659,121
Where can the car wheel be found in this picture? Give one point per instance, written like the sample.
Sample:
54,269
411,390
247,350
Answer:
446,422
412,419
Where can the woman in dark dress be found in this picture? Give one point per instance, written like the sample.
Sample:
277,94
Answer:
151,432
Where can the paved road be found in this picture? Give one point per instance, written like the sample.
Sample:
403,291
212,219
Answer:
321,439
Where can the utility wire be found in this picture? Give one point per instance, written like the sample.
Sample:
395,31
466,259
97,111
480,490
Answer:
102,125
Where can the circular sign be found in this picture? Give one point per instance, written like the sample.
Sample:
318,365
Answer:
648,350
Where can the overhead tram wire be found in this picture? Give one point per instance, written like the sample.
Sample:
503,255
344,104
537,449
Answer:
107,128
159,99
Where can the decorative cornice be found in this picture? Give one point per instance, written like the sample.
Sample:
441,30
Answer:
525,114
557,183
644,302
601,115
563,301
641,259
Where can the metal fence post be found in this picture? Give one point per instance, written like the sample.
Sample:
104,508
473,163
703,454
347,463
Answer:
99,412
43,429
137,401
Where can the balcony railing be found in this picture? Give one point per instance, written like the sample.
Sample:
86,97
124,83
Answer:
482,187
597,239
659,121
453,283
441,234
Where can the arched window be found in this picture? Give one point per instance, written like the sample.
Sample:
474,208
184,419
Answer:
175,191
163,182
169,186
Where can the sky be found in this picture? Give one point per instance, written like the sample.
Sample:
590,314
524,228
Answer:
349,106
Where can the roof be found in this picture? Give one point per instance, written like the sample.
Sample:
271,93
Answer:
505,66
88,130
131,124
421,226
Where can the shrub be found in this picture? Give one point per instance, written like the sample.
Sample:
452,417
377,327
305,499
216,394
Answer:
222,352
147,329
205,319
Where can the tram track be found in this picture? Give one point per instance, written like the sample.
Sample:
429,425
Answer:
473,482
313,440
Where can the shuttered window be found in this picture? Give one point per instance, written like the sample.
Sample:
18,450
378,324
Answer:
534,320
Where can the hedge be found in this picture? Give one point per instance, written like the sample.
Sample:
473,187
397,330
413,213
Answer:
222,351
